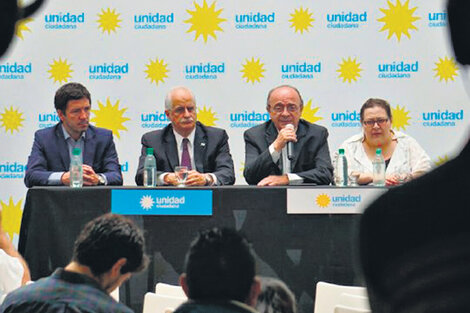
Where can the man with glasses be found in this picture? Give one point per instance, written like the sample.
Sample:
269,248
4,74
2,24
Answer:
49,161
268,161
186,142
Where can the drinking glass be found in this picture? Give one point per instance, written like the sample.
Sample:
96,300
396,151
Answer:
353,177
181,173
403,175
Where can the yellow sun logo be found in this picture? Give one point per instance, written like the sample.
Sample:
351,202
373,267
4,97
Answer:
400,118
108,20
242,166
11,119
110,116
446,69
441,160
157,71
206,116
301,20
349,70
11,217
253,70
60,70
323,200
22,27
204,20
308,113
398,19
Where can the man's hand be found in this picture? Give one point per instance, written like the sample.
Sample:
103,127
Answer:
90,178
65,179
195,178
285,135
275,180
170,179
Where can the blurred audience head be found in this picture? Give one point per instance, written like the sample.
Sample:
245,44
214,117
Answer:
275,297
220,265
107,239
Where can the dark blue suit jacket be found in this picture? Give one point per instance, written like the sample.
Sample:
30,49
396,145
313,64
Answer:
211,153
50,154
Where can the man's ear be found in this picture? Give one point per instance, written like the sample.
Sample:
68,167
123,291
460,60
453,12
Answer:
184,284
116,268
61,114
254,292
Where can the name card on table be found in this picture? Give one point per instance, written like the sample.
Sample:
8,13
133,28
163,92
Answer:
331,200
161,202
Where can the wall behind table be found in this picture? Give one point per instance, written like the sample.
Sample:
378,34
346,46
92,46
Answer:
230,53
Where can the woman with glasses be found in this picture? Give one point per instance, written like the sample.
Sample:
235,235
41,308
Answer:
404,157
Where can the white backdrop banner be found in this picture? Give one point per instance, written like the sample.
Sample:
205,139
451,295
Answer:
230,53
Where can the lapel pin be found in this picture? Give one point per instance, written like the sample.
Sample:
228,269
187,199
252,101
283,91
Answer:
203,144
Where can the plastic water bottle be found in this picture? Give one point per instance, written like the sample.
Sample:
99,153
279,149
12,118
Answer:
378,169
150,169
76,169
341,171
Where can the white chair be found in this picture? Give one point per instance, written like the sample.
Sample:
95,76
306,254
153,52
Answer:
354,301
154,303
327,295
346,309
169,290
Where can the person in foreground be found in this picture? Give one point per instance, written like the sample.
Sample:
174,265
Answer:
414,241
49,161
14,271
219,274
404,157
187,142
267,160
275,297
106,253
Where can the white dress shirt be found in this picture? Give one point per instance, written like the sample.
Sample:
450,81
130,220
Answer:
179,147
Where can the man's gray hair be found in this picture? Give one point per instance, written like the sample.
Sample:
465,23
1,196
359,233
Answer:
169,95
284,86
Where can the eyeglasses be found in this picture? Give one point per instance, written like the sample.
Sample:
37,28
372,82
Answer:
379,121
181,110
279,108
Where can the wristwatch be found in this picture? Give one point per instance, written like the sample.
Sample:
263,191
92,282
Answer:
209,179
101,180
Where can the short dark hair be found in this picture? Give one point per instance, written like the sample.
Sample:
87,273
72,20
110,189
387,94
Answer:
376,102
106,239
70,91
220,265
284,86
275,297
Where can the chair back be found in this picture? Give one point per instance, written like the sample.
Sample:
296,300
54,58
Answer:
115,294
327,295
169,290
354,301
154,303
346,309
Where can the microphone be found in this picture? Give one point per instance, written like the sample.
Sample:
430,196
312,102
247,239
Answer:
290,144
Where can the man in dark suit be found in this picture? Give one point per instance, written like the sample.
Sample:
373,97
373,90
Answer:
204,150
415,239
49,160
266,157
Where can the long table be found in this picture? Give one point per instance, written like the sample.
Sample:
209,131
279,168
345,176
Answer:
300,249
